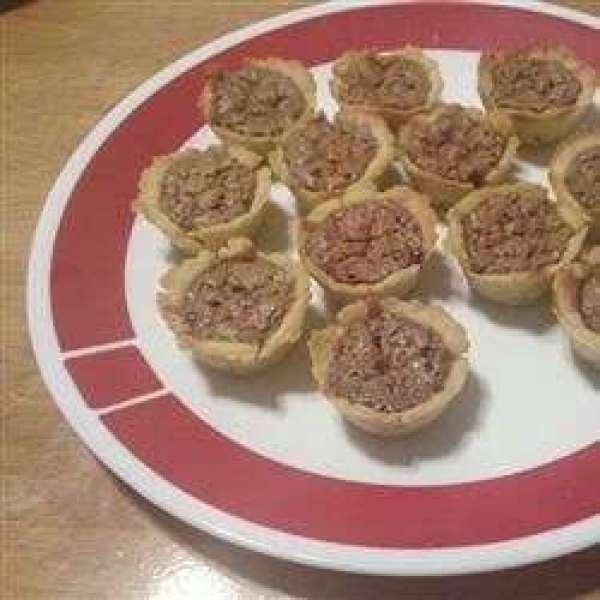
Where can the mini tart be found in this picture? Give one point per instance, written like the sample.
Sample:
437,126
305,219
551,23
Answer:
285,96
370,243
554,89
236,309
579,185
320,160
390,367
393,85
455,149
231,178
496,249
568,287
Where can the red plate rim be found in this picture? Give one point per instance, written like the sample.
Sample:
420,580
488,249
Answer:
88,342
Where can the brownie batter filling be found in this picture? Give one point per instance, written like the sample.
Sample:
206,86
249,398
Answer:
589,300
366,243
388,363
388,81
583,177
456,146
525,83
255,101
237,300
206,188
328,157
514,232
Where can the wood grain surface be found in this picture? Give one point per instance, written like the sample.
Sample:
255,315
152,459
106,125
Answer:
69,529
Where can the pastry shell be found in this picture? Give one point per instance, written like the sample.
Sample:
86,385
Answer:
393,116
585,342
559,168
375,171
444,191
293,69
521,287
536,128
322,342
190,242
398,283
234,357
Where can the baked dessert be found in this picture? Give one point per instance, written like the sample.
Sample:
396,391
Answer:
394,85
254,105
321,159
454,149
575,176
577,304
388,366
368,243
201,198
544,91
236,309
510,240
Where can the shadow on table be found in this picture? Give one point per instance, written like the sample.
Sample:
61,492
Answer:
6,5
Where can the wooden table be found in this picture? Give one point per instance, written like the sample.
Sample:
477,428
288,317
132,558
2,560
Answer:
70,530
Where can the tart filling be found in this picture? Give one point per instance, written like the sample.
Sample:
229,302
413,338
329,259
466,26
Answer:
589,302
328,157
390,367
514,231
458,145
255,101
201,198
392,81
236,309
388,363
583,177
237,300
365,243
206,188
524,81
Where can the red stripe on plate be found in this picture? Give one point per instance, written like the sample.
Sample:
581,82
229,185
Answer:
88,294
113,376
186,451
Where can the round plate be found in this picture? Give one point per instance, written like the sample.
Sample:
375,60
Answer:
508,476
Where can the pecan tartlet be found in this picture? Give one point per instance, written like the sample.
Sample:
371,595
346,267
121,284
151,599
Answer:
369,243
510,240
390,367
394,85
577,304
544,91
575,176
201,198
454,149
236,309
256,104
321,159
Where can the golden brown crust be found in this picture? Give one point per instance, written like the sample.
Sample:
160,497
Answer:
510,288
234,357
585,342
190,242
399,283
446,192
539,128
392,116
293,69
561,161
375,171
380,423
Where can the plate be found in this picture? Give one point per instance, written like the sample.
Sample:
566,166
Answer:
508,476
